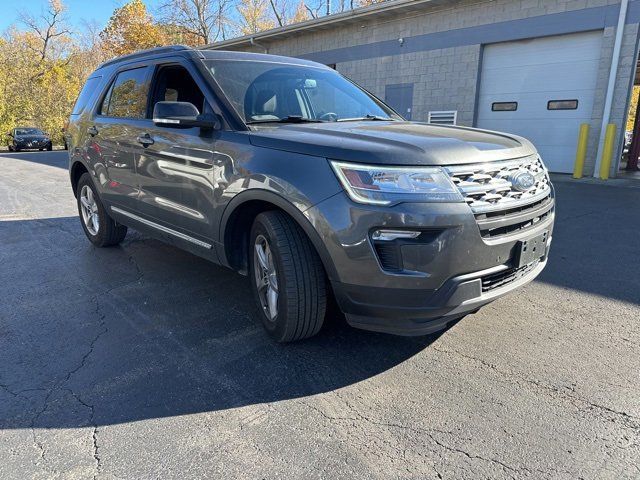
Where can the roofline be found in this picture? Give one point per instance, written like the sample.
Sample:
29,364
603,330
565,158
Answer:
143,53
316,22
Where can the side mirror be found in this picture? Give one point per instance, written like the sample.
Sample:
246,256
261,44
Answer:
183,114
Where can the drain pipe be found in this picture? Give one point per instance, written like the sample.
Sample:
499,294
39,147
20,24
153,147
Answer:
253,42
613,73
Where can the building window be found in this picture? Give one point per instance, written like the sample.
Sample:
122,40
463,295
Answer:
504,106
562,104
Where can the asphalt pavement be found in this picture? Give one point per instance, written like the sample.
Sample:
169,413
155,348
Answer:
143,361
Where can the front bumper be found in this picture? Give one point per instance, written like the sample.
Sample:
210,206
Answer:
449,271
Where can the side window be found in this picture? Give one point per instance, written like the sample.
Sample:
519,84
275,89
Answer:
173,83
127,96
85,94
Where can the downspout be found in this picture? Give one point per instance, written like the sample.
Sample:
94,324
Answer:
256,44
613,73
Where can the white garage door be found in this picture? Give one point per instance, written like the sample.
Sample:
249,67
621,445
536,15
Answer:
541,89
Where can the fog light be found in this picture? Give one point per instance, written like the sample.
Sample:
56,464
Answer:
389,235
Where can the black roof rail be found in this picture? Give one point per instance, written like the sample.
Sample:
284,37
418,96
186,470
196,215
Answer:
142,53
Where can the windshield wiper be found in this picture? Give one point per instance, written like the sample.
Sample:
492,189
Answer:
367,117
287,119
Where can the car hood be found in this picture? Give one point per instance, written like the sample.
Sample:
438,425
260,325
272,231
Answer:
392,143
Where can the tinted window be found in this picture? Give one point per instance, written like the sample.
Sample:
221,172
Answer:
504,106
127,96
562,104
85,94
175,84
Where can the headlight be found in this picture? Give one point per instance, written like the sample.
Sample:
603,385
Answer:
381,185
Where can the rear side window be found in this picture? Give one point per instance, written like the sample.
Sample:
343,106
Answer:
127,96
89,87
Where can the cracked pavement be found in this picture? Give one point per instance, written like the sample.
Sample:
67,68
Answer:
143,361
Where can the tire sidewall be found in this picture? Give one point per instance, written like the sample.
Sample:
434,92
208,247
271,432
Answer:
98,239
277,327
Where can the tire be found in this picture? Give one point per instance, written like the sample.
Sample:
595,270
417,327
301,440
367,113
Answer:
107,232
10,148
49,147
300,278
16,149
40,149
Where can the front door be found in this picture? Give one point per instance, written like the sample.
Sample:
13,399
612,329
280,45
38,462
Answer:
176,167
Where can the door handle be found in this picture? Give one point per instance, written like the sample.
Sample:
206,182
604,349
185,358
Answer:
145,140
92,130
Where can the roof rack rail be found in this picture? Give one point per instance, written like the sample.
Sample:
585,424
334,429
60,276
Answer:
141,53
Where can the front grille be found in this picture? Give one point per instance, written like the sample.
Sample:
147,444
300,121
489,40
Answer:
504,277
487,187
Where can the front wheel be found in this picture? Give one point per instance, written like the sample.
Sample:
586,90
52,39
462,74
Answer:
49,147
287,278
98,226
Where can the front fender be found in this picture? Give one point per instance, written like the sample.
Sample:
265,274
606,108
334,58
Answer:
301,216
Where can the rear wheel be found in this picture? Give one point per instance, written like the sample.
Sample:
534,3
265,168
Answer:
50,147
99,227
11,148
287,278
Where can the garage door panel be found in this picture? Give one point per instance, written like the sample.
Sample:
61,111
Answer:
532,73
534,105
534,79
545,51
548,133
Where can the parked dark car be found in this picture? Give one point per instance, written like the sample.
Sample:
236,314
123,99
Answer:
29,138
287,172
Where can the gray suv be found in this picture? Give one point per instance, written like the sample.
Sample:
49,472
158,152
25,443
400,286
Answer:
287,172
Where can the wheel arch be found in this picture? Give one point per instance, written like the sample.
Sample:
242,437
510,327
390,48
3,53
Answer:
236,224
75,172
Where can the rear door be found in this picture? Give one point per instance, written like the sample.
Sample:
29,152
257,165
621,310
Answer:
114,146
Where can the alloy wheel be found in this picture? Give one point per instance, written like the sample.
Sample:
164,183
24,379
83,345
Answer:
266,277
89,209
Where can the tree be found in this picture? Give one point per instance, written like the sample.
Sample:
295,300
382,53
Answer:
204,21
286,13
49,30
129,29
254,16
300,14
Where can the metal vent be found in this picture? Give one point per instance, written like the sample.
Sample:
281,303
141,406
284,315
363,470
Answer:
487,187
444,118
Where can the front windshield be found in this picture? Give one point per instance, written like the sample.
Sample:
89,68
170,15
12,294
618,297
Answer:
28,131
265,92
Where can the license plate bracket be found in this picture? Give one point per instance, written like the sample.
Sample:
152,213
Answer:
531,249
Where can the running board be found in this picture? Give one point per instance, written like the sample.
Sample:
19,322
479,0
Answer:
162,228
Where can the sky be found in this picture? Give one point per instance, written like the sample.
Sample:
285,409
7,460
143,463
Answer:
77,10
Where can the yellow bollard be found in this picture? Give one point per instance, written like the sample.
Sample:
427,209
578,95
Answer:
581,152
607,151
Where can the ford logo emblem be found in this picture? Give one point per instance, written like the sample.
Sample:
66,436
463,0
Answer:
522,181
